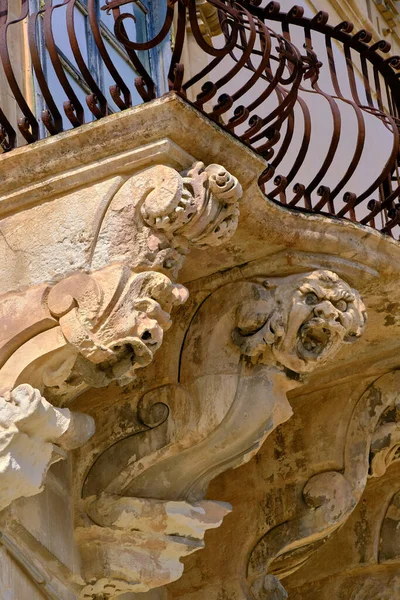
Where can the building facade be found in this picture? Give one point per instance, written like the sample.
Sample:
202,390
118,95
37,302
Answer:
199,302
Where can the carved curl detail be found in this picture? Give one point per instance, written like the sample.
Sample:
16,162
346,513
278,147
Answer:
113,340
201,205
330,497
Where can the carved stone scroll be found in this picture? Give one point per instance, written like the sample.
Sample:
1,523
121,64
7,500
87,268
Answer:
158,215
330,497
248,344
101,325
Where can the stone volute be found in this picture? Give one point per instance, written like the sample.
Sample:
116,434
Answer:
156,311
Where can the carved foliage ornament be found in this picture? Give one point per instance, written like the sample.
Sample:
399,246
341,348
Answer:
200,206
112,340
159,214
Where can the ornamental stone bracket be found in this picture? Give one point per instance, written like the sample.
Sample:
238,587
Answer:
247,345
94,327
103,322
372,445
153,337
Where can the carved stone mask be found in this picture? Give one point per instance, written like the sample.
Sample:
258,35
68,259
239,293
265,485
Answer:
306,319
320,314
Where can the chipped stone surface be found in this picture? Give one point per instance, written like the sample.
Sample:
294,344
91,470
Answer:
208,332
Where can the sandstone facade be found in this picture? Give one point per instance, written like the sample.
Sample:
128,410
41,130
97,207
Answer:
193,357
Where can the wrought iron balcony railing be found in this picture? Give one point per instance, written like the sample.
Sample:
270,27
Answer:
319,103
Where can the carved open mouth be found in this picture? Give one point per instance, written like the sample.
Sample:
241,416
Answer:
316,337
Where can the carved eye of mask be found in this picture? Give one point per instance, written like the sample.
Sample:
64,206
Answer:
341,305
312,298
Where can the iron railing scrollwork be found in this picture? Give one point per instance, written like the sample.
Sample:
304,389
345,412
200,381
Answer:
265,79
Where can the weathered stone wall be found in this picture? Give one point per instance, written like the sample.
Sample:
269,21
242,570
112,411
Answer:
150,286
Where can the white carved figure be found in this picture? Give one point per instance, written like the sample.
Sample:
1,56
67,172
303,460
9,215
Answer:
33,435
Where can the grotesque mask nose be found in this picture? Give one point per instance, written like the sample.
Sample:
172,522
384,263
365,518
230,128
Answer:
326,310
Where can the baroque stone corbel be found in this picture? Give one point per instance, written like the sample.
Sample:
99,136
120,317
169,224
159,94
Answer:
248,344
108,319
329,498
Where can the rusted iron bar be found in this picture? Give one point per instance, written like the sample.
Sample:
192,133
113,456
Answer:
373,90
262,81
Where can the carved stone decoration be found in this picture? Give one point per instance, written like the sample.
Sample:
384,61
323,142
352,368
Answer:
34,435
111,341
105,326
158,215
138,542
248,344
101,325
101,321
309,322
330,497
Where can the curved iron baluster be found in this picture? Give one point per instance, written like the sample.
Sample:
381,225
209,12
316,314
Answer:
51,116
120,86
266,117
28,125
72,107
96,101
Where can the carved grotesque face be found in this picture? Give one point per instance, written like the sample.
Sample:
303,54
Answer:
315,319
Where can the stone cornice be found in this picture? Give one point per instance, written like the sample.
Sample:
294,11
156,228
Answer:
264,227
